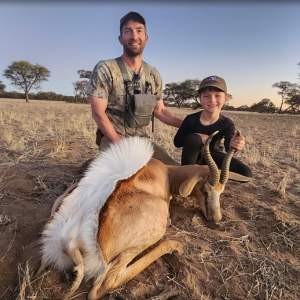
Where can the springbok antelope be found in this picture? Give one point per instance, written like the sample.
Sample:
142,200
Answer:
120,208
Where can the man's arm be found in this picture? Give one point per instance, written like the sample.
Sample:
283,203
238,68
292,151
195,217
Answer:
165,116
98,106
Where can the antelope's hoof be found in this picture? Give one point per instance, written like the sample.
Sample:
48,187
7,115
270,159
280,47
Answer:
169,222
179,248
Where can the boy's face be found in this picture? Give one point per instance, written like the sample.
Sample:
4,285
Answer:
212,101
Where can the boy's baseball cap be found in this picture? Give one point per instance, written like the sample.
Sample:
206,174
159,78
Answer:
132,16
213,81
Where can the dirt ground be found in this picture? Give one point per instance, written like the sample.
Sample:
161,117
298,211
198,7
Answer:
252,253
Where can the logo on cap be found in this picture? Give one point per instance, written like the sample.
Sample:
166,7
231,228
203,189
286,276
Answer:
213,78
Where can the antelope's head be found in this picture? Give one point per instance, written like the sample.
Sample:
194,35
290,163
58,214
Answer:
207,189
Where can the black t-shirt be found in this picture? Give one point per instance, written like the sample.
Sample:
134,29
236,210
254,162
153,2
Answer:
191,124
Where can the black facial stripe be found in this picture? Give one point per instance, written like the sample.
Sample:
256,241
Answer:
206,202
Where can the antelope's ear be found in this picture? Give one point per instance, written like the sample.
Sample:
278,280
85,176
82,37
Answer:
240,178
188,185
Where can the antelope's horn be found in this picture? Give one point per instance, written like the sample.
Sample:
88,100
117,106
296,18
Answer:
214,176
226,163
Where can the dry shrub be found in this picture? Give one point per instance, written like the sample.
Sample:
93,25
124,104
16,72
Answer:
32,124
274,148
7,136
19,144
28,288
294,153
60,145
294,130
251,154
249,139
283,185
4,219
50,115
1,119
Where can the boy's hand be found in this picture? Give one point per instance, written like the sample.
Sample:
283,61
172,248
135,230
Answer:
237,142
204,137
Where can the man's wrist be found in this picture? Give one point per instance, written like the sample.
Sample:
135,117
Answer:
116,139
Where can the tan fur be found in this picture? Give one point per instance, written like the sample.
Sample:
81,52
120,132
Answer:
134,217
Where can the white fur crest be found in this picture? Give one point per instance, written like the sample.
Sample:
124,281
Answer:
75,224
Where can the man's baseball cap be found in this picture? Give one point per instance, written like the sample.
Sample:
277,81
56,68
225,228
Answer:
213,81
132,16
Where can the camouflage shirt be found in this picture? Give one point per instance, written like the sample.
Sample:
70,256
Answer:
107,82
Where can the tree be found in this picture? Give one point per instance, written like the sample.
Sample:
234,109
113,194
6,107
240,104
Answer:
178,93
80,91
25,76
2,86
265,105
285,88
293,99
81,86
227,106
84,74
242,108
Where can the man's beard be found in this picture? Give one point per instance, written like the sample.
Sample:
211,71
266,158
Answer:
134,53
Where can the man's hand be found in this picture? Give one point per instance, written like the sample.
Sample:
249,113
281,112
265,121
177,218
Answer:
99,106
117,139
237,142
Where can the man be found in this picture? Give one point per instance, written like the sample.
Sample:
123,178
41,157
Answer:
113,81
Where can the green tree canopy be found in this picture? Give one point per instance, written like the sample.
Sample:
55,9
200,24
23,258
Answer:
178,93
285,87
84,74
265,105
2,87
26,76
80,91
293,99
242,108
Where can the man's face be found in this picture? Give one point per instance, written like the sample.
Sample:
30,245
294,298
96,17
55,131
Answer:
133,38
213,101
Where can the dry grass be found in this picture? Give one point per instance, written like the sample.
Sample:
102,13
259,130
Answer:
6,136
283,185
253,253
249,139
252,154
4,219
294,130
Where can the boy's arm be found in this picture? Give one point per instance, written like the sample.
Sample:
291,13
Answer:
182,133
228,134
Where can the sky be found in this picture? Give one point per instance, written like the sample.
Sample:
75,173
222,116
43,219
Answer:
252,45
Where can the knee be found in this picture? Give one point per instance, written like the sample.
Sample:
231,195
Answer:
243,170
247,172
193,139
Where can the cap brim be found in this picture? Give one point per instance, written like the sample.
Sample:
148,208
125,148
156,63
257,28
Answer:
132,16
211,85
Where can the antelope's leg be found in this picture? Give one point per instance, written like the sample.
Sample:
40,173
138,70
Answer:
77,258
120,274
42,268
62,197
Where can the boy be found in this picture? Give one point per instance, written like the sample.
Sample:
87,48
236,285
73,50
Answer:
197,127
